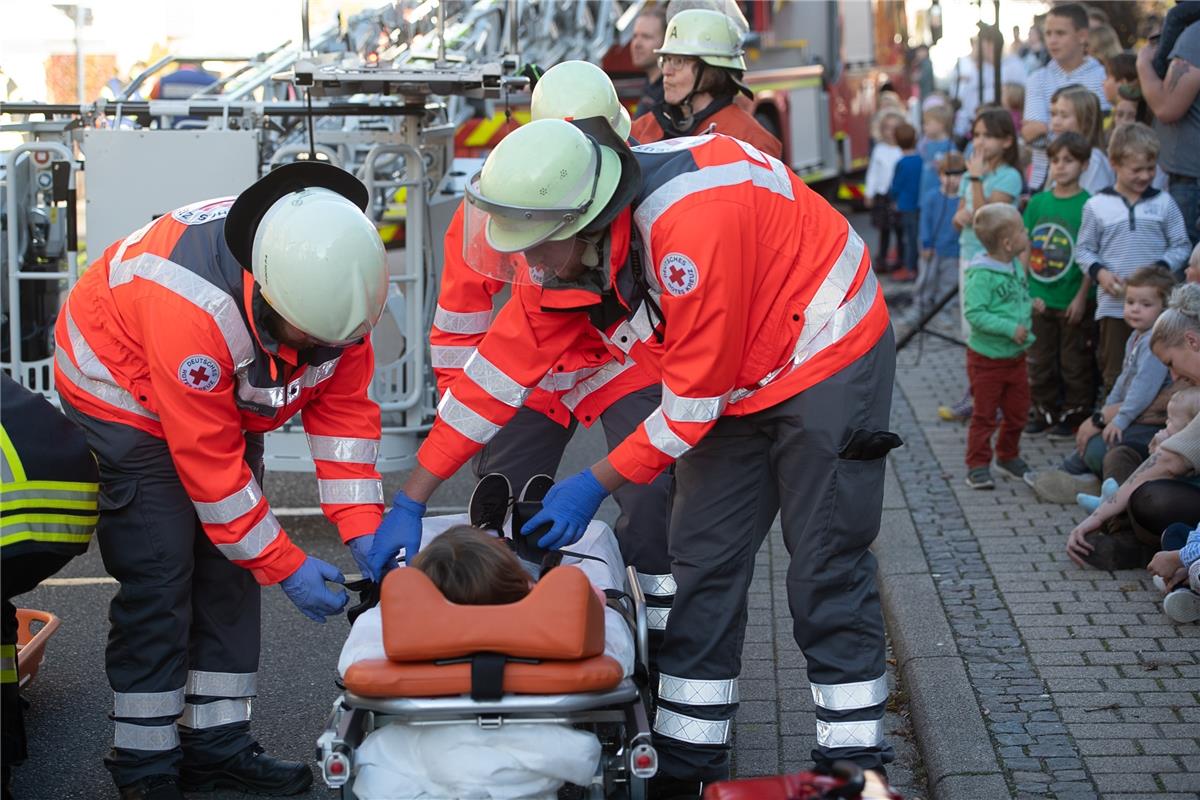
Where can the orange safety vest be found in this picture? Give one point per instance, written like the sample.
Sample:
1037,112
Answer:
732,120
159,335
753,289
463,316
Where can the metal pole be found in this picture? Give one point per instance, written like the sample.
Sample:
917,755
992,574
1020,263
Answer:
441,31
304,26
999,54
79,82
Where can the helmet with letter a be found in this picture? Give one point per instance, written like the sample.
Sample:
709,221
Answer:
318,259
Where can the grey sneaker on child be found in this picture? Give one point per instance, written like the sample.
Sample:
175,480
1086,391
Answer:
1057,486
980,478
1014,468
1182,605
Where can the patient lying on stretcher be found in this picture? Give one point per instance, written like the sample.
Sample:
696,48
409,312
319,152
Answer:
470,567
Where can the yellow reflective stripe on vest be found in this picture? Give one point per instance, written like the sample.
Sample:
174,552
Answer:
8,663
67,495
13,471
51,528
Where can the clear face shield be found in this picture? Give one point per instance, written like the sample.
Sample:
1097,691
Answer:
525,244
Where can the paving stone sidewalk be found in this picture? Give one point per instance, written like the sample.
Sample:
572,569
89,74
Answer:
1083,687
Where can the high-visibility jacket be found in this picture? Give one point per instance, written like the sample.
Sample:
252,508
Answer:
464,313
732,120
161,334
48,477
753,289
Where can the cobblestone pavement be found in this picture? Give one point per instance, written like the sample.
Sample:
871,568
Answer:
1085,688
776,724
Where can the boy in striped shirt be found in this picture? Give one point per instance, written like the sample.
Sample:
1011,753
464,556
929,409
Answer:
1127,226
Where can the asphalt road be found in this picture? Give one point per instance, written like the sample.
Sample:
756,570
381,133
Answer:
68,726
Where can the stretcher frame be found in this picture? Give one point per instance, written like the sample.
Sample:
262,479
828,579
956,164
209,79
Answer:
619,717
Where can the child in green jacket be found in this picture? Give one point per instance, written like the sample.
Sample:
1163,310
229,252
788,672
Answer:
998,310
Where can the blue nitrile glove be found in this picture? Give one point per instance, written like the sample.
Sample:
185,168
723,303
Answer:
360,548
569,506
306,588
400,529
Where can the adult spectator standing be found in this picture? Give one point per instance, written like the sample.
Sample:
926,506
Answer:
921,72
967,78
648,31
1175,101
1066,35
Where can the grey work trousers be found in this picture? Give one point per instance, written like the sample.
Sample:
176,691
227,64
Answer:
787,459
183,647
532,444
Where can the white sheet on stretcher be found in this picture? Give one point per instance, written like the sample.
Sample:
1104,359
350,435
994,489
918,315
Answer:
462,760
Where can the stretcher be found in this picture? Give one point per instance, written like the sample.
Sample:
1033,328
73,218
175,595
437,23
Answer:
543,661
34,629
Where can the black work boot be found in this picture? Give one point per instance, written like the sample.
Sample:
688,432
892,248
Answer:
250,771
155,787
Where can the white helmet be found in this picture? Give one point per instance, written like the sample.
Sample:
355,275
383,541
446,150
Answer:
577,90
707,35
321,265
318,260
545,183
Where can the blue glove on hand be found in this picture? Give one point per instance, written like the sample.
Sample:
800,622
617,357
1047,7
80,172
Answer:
569,507
306,588
400,529
360,548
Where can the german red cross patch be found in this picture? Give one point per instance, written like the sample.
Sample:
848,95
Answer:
199,372
678,274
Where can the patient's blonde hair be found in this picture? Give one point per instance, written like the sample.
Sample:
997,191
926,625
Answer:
993,222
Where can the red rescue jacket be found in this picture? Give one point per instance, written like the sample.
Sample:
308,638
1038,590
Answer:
732,120
753,289
463,316
159,334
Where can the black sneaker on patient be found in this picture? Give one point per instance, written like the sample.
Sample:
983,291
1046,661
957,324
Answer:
490,502
251,770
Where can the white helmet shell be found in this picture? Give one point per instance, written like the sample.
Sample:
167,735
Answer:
707,35
578,90
321,265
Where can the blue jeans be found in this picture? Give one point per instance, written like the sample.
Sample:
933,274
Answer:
1186,194
1136,436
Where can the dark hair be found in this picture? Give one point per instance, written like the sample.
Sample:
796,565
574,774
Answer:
905,135
472,568
1154,277
1078,147
718,81
952,164
1075,12
1123,67
993,35
655,11
999,124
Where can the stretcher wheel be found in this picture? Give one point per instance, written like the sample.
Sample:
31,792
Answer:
34,629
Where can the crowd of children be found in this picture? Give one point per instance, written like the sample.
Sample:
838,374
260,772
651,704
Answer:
1058,302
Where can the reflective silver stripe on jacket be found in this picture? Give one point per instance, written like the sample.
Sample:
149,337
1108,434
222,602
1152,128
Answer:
462,322
447,357
256,540
147,705
495,382
656,618
219,305
128,736
108,392
657,585
826,326
850,696
774,178
222,684
218,712
662,437
638,328
89,363
868,733
466,421
694,692
690,729
279,396
595,381
345,449
692,409
565,381
350,490
227,509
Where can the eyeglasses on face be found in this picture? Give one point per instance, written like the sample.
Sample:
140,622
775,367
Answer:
674,62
